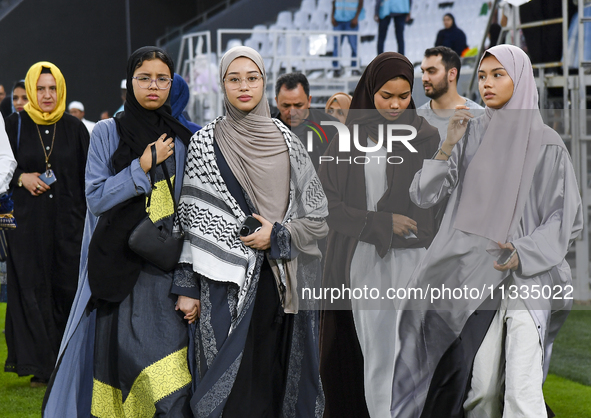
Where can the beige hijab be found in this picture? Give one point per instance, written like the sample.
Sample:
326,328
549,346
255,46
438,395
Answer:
343,99
254,147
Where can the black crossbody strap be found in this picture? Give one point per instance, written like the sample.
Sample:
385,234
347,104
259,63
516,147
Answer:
152,174
168,182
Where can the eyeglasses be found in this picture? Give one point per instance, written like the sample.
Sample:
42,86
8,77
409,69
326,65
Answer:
252,81
162,83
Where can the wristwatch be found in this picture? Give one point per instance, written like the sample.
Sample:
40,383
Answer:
20,180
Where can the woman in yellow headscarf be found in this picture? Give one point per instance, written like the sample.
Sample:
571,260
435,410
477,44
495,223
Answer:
50,147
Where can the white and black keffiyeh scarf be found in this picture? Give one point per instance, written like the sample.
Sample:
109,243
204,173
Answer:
211,217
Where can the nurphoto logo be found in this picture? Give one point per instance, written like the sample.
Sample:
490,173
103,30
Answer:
387,134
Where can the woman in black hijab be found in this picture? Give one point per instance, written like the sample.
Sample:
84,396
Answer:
452,36
376,235
124,321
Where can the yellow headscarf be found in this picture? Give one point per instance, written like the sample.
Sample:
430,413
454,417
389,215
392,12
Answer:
32,108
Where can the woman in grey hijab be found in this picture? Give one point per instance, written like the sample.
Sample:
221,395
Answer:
255,353
511,186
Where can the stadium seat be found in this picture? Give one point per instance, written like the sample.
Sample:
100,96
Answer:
308,6
284,20
232,43
301,20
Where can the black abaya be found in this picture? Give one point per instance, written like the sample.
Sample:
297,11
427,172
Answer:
260,382
44,249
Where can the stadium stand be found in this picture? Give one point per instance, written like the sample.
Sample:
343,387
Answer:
301,39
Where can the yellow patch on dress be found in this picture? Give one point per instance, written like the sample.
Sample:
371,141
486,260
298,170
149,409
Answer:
161,205
154,383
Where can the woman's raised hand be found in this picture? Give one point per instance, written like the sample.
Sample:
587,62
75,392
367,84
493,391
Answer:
164,149
457,125
403,225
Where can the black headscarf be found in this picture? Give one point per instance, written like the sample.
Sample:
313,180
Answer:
382,69
113,268
138,126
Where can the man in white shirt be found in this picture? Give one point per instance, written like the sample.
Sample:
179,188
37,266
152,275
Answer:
77,109
441,72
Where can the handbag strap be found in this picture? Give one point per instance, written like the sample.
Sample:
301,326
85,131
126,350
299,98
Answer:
168,182
152,172
166,176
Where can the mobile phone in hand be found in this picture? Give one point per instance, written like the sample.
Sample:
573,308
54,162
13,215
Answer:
505,256
48,177
250,226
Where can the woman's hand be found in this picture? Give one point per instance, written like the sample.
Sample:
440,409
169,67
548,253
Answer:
403,225
164,148
513,263
457,125
190,307
32,183
455,130
260,240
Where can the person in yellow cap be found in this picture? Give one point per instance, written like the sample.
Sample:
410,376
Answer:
50,147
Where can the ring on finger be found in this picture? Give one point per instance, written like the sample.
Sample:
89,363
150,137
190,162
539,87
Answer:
169,147
38,186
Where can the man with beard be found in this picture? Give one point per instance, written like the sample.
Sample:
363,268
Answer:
441,72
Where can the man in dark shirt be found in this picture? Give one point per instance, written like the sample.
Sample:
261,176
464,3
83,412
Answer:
292,95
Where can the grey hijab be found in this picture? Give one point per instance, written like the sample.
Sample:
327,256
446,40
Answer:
253,146
499,177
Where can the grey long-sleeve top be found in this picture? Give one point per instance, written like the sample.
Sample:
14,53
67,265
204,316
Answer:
551,220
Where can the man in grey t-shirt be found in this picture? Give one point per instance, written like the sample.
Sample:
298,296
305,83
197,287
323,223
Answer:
441,71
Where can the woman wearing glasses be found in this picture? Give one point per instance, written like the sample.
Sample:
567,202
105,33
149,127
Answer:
125,351
256,356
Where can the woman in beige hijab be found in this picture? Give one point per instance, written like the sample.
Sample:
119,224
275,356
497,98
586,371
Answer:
338,106
256,356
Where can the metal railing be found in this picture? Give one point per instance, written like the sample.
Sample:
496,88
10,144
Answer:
282,50
197,20
198,66
302,50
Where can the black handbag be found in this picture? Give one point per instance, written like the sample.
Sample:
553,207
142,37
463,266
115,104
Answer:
153,243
